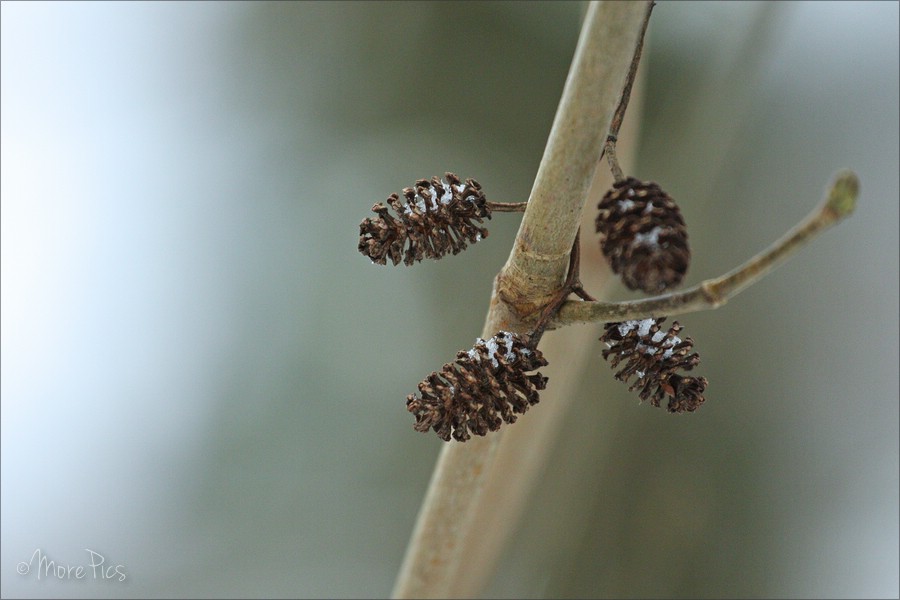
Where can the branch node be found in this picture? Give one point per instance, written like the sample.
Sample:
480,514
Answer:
711,294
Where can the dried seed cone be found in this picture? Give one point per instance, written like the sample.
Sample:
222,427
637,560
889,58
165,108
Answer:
655,356
483,388
643,236
438,217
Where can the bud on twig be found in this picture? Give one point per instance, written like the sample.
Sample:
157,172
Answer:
655,357
439,216
485,387
643,235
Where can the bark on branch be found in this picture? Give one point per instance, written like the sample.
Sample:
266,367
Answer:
532,274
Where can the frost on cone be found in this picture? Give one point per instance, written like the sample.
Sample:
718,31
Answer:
643,236
483,388
655,357
439,217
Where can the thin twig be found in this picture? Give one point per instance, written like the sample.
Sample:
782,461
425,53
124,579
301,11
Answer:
507,206
609,147
573,278
619,115
712,293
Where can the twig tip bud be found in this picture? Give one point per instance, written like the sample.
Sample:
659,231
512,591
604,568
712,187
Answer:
843,193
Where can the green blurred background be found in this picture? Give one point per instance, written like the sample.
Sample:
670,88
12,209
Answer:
204,382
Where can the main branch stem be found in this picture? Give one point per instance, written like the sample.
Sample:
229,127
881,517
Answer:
532,275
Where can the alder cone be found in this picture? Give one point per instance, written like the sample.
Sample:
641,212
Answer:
485,387
643,236
438,217
656,357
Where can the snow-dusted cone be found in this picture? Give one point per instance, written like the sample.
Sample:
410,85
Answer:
483,388
655,356
438,217
643,236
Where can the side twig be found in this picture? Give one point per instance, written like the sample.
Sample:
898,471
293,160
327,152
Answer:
609,147
507,206
712,293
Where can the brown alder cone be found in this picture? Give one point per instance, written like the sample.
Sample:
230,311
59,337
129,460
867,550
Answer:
643,236
655,356
440,216
485,387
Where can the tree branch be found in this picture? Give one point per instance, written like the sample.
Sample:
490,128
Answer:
712,293
603,59
532,274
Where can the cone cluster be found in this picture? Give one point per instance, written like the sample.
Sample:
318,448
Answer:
434,218
485,387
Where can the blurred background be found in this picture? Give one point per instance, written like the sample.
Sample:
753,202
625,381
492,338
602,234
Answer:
203,382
